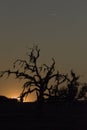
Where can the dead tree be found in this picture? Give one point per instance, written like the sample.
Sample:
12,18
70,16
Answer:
37,78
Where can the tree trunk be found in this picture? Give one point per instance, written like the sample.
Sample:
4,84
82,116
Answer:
40,99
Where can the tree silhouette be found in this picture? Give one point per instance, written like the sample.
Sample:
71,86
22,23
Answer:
83,92
67,92
72,85
37,78
44,80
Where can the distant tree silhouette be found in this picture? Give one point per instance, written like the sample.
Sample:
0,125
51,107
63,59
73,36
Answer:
37,78
4,99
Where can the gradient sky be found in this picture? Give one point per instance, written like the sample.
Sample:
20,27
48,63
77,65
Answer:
59,26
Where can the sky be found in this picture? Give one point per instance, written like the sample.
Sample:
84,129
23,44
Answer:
59,27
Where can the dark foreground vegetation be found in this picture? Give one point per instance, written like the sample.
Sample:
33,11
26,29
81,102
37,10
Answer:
62,115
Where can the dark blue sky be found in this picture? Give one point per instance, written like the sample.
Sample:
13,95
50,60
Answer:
59,26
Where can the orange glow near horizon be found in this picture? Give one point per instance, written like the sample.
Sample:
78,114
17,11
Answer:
13,95
29,98
12,88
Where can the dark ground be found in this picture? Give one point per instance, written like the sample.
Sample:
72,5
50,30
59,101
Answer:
28,116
